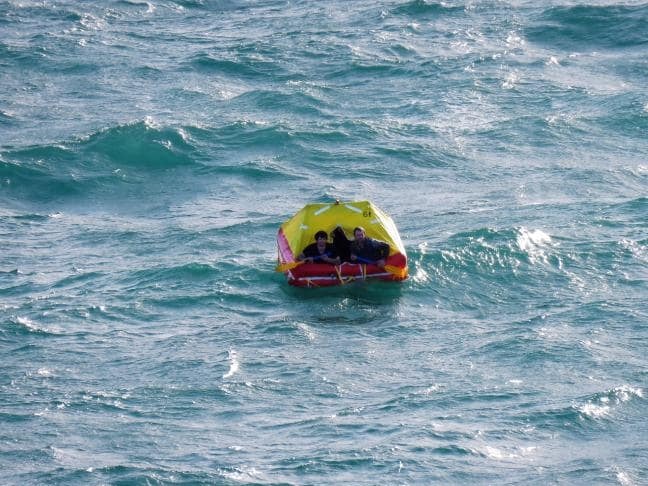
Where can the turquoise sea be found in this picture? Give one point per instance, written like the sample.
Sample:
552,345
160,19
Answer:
149,151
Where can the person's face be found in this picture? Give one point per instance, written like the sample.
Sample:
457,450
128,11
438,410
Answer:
321,242
359,235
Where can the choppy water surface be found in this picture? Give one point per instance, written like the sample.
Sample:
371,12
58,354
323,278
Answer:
149,152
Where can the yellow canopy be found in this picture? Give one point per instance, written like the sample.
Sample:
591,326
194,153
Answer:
301,228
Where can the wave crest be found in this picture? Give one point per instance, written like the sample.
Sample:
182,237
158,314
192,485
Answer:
143,145
602,404
587,27
104,159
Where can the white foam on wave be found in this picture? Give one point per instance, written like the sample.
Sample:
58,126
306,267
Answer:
244,474
150,7
45,372
623,477
639,251
230,92
553,61
28,323
601,406
625,392
429,390
533,243
507,453
232,356
513,40
151,123
511,80
421,275
92,22
594,410
306,331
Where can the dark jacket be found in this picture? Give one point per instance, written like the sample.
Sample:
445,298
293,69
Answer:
371,251
311,251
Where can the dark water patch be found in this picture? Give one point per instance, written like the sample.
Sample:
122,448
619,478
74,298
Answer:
427,10
29,218
453,450
565,419
587,27
635,207
417,156
242,67
364,72
129,473
13,418
140,146
189,272
164,302
626,118
593,412
604,262
536,131
25,326
365,167
245,134
231,227
295,102
20,56
402,51
323,134
134,5
41,153
221,5
17,286
337,464
36,181
243,177
336,135
119,158
24,13
527,351
75,68
136,401
408,403
632,69
6,119
149,73
206,62
79,280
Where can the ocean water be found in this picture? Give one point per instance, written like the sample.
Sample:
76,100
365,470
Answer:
149,151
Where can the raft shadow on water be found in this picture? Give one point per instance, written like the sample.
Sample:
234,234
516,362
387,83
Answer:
377,293
360,304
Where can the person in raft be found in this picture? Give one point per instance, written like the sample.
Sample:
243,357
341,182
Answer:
368,250
319,252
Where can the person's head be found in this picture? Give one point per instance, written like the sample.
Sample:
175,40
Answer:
320,239
359,233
